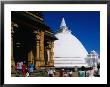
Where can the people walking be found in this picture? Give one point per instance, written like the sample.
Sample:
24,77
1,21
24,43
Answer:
65,74
61,72
50,73
27,74
31,68
24,70
19,68
70,73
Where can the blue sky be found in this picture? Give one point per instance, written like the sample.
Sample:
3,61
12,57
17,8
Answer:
85,25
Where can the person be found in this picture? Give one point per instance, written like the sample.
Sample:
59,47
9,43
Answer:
17,66
61,72
20,66
65,74
70,73
75,69
50,73
24,70
91,72
27,74
54,72
17,69
31,68
82,74
87,73
98,66
99,72
95,71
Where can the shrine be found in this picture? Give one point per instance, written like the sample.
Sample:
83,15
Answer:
32,40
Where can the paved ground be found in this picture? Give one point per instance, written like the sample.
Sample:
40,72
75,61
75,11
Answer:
43,74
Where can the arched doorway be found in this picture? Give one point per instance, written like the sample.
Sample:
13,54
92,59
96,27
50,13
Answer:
23,42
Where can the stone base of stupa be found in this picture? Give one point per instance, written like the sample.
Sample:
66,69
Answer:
69,62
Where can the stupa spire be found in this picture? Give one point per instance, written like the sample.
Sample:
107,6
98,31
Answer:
63,27
63,24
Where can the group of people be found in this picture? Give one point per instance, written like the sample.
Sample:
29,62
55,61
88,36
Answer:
62,73
23,70
93,72
65,73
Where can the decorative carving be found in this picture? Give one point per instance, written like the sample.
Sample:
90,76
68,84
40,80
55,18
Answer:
51,54
48,45
37,33
14,26
42,48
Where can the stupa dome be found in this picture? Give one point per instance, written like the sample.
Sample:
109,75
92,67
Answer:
68,50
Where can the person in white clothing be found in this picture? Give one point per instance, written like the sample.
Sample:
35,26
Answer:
27,74
70,73
50,73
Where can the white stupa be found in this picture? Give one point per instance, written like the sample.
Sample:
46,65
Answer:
68,50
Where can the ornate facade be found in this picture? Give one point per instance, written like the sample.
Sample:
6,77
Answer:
32,40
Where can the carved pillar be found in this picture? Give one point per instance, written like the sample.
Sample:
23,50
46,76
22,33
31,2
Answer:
47,56
30,57
48,53
37,54
14,26
51,63
42,48
37,37
12,58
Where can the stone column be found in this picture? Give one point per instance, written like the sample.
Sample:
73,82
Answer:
38,54
12,58
48,57
14,26
37,37
48,53
51,61
30,57
42,63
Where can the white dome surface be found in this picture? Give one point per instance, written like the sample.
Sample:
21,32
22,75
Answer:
68,50
68,45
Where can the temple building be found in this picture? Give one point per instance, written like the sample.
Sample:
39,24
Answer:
93,59
68,50
32,40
